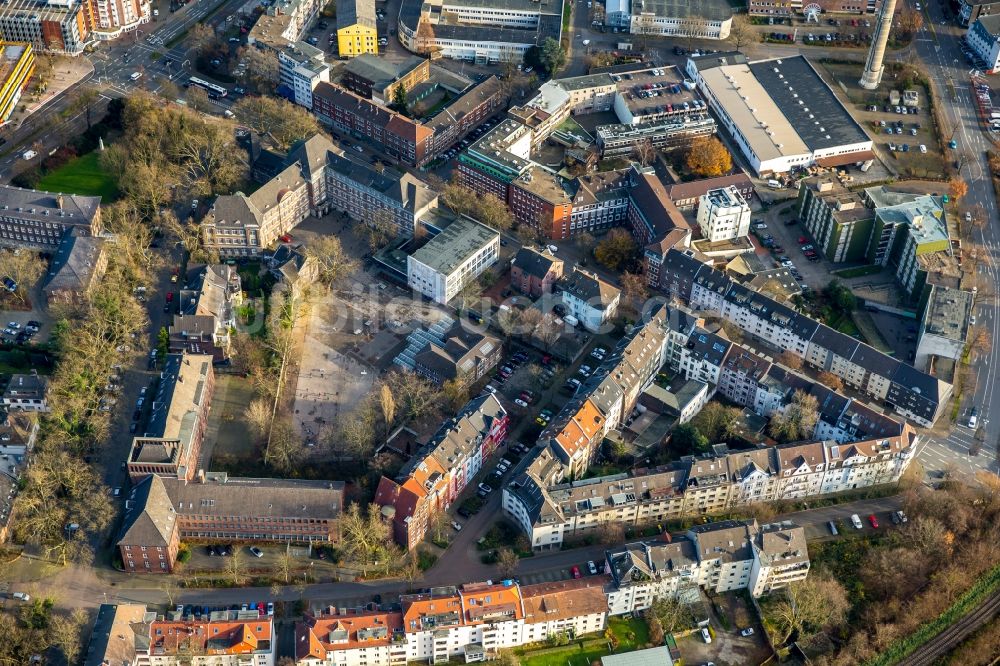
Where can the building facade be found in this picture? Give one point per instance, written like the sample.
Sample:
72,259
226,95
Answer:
356,31
588,298
36,219
18,60
452,259
723,215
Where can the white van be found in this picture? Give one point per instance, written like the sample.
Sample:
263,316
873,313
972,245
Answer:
705,636
28,154
22,596
135,76
856,521
774,185
571,320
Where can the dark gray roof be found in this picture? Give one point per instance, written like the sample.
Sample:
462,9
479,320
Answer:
379,71
875,361
799,81
48,206
533,262
73,265
409,192
836,342
989,21
708,347
549,25
351,12
149,515
589,288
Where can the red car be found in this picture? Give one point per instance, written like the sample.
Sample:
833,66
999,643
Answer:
873,520
575,570
546,359
170,296
802,240
286,239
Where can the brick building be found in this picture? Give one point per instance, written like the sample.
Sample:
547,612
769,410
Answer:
534,272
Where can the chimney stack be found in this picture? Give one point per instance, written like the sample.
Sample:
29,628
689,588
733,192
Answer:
874,65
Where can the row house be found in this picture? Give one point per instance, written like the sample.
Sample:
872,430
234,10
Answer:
551,513
232,638
442,469
469,623
717,557
917,396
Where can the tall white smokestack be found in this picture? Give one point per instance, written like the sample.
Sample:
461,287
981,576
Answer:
872,75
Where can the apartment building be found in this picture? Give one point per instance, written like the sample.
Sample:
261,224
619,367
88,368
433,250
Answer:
66,27
470,622
550,514
26,393
541,199
717,557
492,162
41,220
356,31
207,313
223,641
302,67
477,32
241,225
723,215
18,432
535,272
687,196
457,352
77,265
376,78
456,256
160,512
171,441
915,395
439,472
593,301
282,23
17,64
363,193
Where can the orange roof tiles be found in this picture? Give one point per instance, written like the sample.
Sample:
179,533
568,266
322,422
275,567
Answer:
316,636
211,638
565,599
581,429
421,609
482,601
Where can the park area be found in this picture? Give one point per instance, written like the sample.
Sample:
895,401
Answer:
82,175
630,634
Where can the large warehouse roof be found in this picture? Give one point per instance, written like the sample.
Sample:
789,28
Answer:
754,112
810,106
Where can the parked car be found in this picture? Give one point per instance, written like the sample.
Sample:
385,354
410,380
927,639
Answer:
873,520
833,528
457,526
747,632
256,552
575,571
592,568
520,403
705,636
856,521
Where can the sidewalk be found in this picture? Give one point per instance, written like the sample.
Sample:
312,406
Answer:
66,73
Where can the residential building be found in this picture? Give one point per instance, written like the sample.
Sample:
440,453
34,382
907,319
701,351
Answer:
170,445
66,27
375,78
452,259
412,142
476,32
717,557
356,31
669,18
241,225
910,237
656,223
618,140
723,214
282,23
983,37
18,431
534,272
687,196
944,325
364,193
113,638
458,352
682,399
41,220
439,472
759,105
160,512
207,313
17,64
301,67
915,395
470,622
79,262
209,642
835,218
541,199
590,299
970,10
765,8
293,268
26,393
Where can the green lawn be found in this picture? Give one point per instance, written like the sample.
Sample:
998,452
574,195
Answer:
632,635
83,175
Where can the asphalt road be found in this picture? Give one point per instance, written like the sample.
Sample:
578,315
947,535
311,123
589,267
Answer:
939,48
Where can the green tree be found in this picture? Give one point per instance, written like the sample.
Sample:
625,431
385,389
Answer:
686,439
400,99
163,341
718,422
552,55
616,250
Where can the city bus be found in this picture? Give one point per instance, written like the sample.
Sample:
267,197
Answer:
210,87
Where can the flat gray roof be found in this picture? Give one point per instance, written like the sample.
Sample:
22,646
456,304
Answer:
452,247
